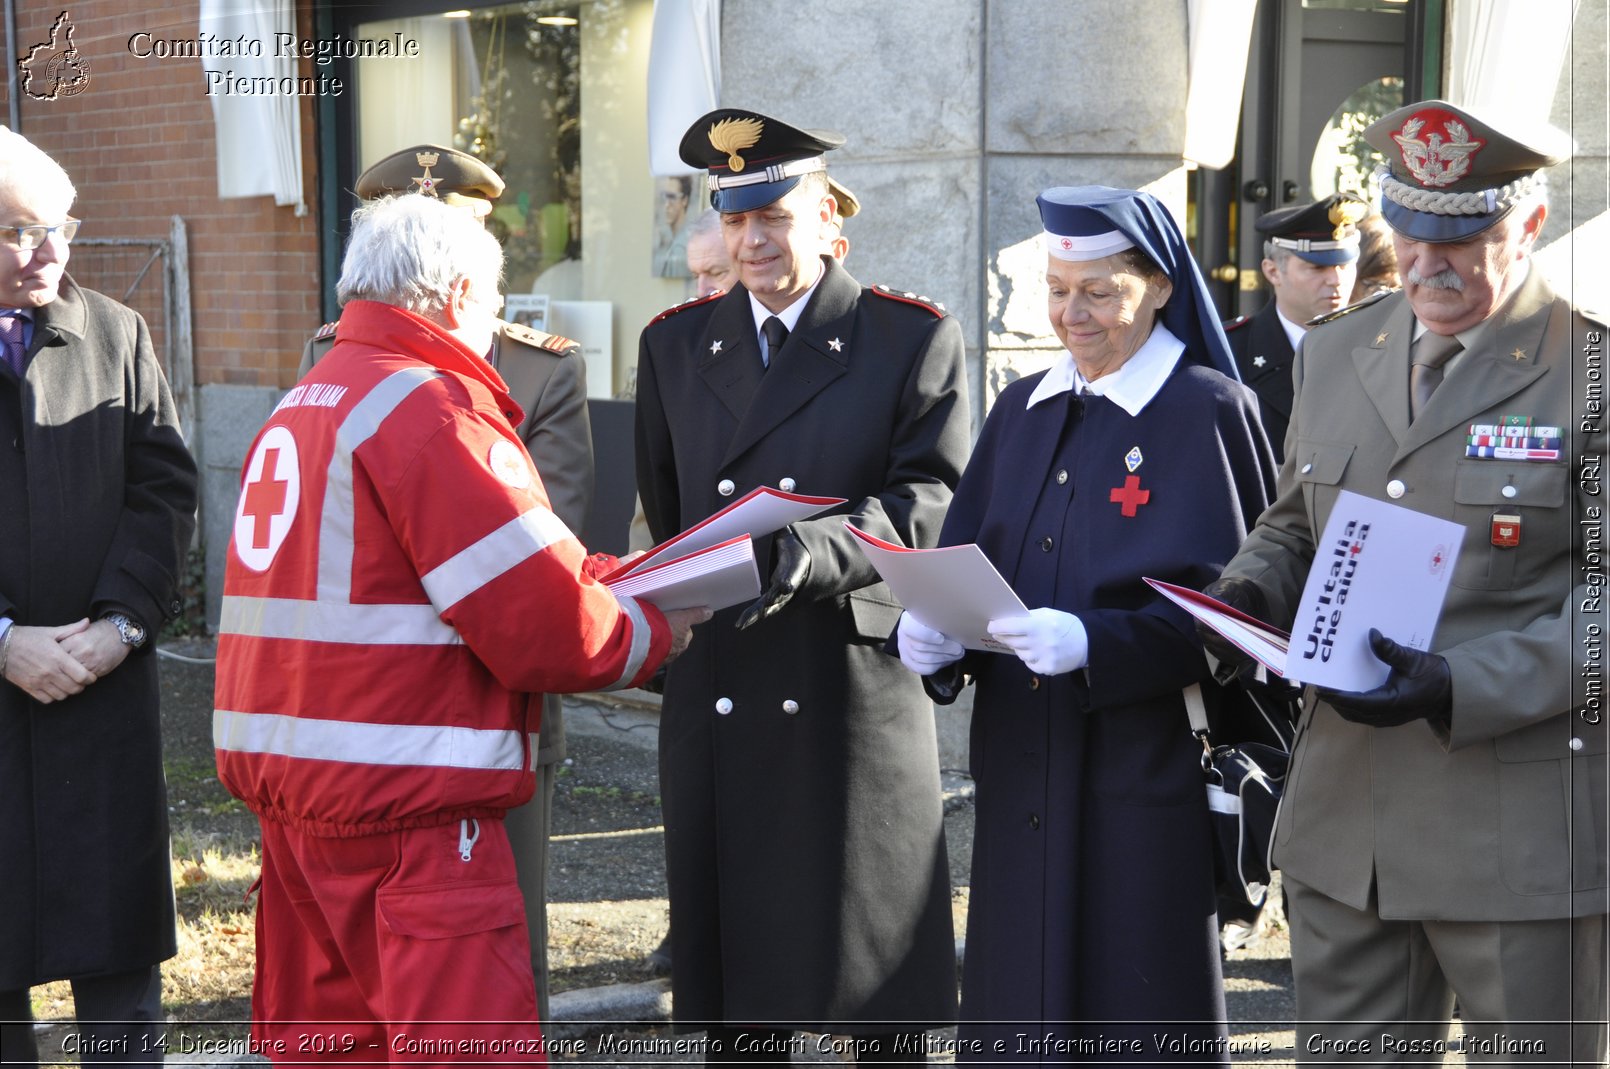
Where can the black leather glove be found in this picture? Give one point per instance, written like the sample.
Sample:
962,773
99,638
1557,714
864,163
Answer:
787,576
1242,594
655,684
1420,687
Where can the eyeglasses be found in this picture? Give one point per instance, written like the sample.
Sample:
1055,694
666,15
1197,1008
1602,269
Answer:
24,238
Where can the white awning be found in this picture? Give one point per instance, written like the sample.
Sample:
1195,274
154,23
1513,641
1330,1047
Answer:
1505,59
1220,35
684,76
259,136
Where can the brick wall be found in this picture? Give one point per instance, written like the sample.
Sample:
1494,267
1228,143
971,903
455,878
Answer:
139,145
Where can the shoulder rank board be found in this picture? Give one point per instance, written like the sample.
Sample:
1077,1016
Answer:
1350,309
691,302
907,297
538,339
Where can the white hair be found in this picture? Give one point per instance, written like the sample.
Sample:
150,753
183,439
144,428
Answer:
409,250
708,222
29,175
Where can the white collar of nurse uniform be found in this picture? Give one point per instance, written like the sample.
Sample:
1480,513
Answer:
1131,387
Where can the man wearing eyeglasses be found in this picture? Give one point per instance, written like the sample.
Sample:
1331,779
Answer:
99,505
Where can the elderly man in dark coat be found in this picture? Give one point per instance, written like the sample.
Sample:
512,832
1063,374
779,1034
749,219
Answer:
100,497
805,852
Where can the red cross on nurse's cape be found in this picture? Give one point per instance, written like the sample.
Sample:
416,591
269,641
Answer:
1130,496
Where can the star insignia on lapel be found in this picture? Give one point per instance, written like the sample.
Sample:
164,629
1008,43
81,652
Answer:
1258,361
715,347
1380,339
836,345
1519,354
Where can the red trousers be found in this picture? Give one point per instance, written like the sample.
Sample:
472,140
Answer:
408,947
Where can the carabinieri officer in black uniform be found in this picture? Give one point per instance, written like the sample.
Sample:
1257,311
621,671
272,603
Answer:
1310,258
803,826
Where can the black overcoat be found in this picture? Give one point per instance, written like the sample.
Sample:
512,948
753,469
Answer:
1092,887
804,839
1263,354
100,498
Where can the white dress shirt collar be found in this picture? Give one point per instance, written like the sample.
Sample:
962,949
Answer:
1131,387
790,315
1294,331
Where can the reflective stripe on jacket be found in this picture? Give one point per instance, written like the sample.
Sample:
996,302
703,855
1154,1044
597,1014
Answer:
398,595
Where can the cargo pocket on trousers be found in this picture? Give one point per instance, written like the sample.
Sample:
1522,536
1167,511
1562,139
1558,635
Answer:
449,912
456,953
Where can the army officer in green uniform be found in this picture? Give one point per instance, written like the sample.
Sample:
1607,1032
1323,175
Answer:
1310,258
1444,833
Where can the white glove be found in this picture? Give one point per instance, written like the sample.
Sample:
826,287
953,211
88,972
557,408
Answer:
924,650
1048,640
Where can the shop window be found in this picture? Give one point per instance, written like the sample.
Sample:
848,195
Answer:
1343,161
552,95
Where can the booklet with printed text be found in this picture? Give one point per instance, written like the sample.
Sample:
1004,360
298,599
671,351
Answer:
1377,565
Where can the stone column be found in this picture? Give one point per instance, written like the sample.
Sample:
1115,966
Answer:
1080,92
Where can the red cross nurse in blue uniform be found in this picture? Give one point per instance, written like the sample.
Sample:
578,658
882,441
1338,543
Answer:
1137,453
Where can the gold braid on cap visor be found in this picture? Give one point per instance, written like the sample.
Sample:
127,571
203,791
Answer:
1474,202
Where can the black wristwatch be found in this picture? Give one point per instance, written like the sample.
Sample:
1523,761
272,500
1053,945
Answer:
132,634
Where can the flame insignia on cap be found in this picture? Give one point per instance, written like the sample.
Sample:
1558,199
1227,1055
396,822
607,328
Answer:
425,182
1343,214
732,136
1434,161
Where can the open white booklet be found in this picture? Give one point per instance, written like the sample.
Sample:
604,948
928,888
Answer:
1377,565
718,576
954,589
712,563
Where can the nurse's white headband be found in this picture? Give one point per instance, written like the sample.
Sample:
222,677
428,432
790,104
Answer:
1088,247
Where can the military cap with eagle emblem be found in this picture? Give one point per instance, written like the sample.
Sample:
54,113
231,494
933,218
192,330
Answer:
753,159
1450,174
1323,233
453,176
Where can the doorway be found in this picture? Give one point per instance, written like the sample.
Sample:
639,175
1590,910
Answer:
1320,71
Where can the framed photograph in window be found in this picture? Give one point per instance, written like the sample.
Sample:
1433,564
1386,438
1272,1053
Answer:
527,309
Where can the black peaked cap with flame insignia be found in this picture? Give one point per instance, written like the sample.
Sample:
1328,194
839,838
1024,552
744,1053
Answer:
753,159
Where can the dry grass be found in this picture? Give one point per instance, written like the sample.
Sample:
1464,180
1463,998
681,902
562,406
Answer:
211,978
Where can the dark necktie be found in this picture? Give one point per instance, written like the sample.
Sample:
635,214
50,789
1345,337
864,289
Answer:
1431,355
11,341
775,334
